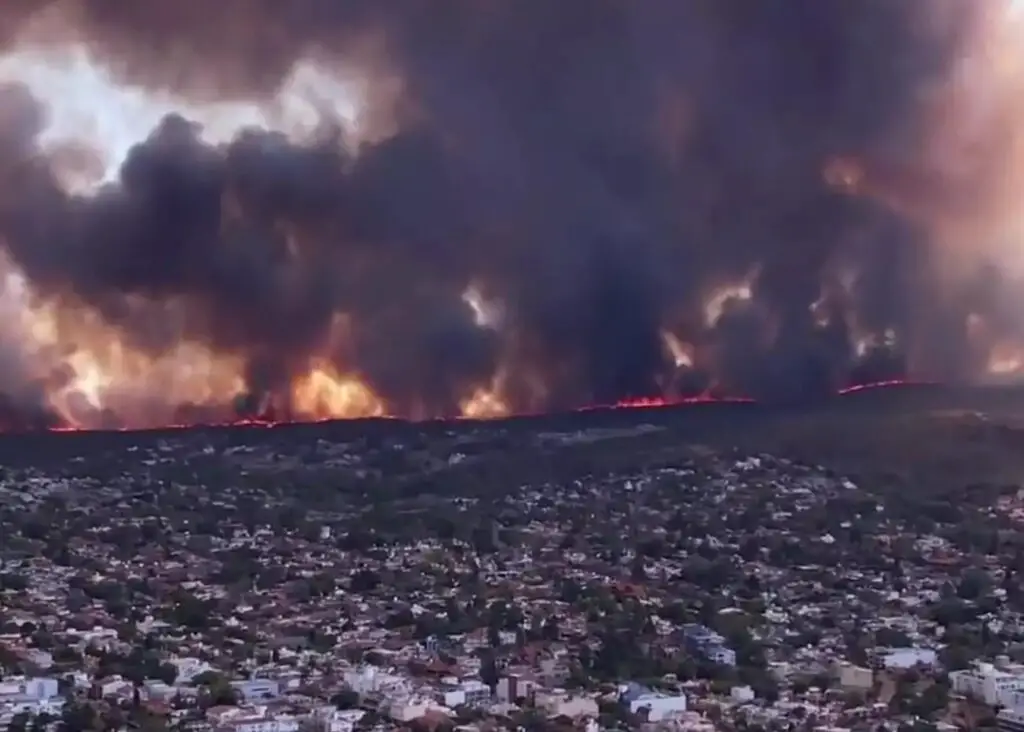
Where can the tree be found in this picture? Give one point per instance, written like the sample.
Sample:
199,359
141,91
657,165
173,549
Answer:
550,630
973,584
345,699
932,701
364,580
78,717
13,582
638,570
19,723
489,668
191,612
218,690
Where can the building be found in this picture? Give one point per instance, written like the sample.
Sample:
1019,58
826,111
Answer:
854,677
560,703
470,692
722,655
158,690
36,689
406,709
256,690
431,645
42,660
372,680
639,699
515,686
898,659
702,640
988,684
1010,720
250,719
330,719
742,694
29,696
189,668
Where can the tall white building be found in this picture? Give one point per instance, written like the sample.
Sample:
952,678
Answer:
658,706
372,680
471,692
988,684
31,696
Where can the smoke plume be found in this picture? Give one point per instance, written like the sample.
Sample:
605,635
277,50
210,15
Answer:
308,209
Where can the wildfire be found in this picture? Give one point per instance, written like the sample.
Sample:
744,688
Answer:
485,404
323,393
865,343
486,312
682,353
725,296
1006,360
92,370
94,374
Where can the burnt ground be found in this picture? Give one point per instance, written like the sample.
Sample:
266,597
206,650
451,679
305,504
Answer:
929,438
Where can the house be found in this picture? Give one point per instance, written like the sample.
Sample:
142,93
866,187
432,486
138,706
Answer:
854,677
255,690
559,703
32,696
471,692
711,645
638,699
329,719
250,719
986,683
189,668
408,708
515,686
907,658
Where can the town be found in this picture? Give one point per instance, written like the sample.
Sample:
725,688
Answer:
487,578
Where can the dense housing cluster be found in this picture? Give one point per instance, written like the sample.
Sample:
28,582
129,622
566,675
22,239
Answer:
604,576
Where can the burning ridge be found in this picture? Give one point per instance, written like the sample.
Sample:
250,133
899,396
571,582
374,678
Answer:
489,208
661,404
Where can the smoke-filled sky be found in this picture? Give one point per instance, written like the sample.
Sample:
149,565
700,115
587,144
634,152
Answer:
351,207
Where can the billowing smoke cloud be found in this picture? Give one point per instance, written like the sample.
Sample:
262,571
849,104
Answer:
643,199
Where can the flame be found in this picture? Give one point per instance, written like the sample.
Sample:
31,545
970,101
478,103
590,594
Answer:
323,393
93,119
864,343
725,296
682,353
97,371
485,404
487,313
1006,360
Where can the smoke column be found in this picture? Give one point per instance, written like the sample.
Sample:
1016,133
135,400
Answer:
311,209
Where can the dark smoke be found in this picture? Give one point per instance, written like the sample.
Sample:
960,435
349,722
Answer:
594,165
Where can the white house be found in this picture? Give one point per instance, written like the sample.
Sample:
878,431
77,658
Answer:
906,658
638,698
988,684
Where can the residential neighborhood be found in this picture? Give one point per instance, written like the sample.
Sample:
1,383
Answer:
254,582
